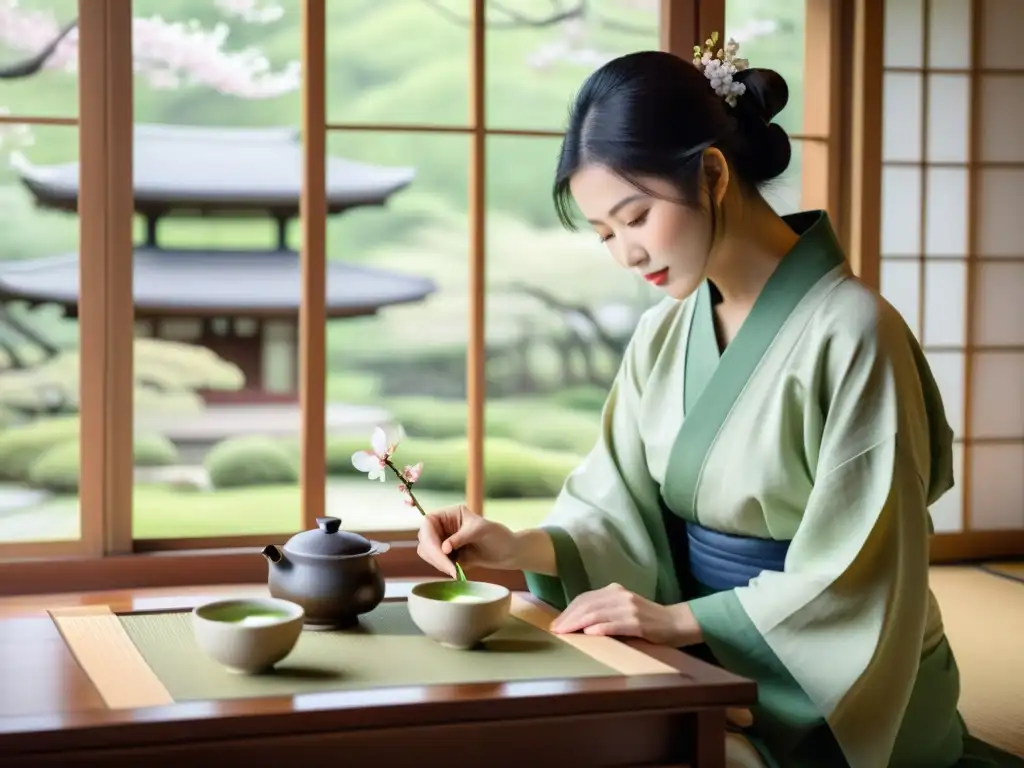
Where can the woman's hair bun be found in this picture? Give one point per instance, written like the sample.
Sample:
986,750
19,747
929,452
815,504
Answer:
767,92
766,150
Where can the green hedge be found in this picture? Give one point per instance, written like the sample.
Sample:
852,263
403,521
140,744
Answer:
531,423
58,468
586,399
238,462
511,470
22,446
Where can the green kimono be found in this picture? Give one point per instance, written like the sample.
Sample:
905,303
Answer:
817,442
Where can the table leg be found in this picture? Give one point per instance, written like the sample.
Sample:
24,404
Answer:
709,739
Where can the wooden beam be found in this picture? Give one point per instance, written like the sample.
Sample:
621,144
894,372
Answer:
476,375
821,175
313,265
678,25
865,199
105,310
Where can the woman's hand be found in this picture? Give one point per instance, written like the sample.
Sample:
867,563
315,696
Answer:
614,610
477,541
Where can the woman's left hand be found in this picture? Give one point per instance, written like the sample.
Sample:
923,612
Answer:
614,610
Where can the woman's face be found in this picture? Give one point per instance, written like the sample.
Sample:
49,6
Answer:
661,241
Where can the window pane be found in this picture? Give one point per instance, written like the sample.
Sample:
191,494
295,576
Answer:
904,23
949,113
771,35
27,28
559,311
997,408
406,364
784,193
535,66
396,62
901,117
998,312
945,289
39,382
216,435
949,34
901,211
997,487
1000,226
1003,20
1002,108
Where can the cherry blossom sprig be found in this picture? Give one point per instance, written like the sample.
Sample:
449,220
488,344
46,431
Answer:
168,54
378,461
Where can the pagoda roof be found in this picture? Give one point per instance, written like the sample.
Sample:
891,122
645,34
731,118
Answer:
222,171
205,283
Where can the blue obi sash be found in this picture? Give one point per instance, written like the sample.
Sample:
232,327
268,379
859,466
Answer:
722,561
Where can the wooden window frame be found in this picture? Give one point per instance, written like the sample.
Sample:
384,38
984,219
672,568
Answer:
106,556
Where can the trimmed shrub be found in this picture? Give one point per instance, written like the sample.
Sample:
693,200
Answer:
586,399
58,469
511,470
552,429
249,460
21,446
154,451
429,417
353,387
533,423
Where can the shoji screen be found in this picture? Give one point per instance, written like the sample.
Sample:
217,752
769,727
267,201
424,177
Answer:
953,232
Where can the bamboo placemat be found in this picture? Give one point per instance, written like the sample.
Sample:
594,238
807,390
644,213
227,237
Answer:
151,659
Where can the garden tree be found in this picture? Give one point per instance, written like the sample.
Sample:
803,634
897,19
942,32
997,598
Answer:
586,332
246,73
168,375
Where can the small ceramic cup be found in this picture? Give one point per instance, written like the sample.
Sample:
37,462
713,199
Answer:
249,635
459,614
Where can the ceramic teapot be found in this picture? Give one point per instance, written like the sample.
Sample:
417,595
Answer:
333,574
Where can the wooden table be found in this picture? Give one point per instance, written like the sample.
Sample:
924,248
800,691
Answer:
52,715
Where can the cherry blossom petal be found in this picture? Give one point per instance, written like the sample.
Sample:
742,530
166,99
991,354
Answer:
365,461
379,441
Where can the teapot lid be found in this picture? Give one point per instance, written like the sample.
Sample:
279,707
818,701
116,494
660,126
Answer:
328,540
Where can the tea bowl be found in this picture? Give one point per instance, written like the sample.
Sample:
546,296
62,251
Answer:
459,614
249,635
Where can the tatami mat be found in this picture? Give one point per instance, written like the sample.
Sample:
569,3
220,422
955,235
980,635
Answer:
984,618
1011,570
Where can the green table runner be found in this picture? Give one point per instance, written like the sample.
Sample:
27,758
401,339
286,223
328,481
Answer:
387,649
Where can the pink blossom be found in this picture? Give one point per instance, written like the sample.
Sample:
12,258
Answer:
168,54
412,474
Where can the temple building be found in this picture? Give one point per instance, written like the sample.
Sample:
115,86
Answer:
241,303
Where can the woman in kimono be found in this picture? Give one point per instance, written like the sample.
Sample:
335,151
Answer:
770,445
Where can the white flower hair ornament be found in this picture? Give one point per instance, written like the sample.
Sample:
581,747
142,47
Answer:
720,67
